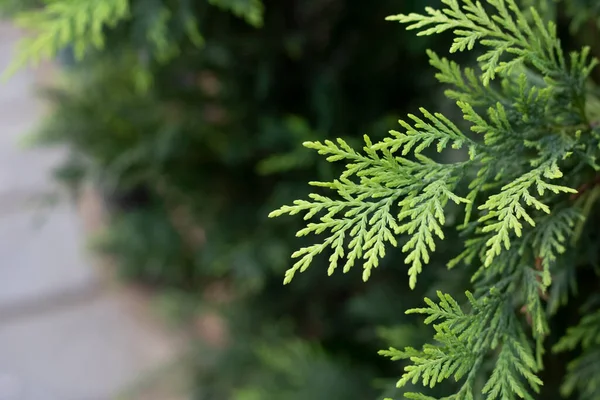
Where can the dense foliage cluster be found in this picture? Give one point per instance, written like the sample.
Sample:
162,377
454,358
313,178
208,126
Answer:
524,196
190,115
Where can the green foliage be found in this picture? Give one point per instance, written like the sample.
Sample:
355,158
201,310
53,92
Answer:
463,341
582,371
389,177
311,373
503,184
83,25
532,143
250,10
582,11
425,186
79,23
506,32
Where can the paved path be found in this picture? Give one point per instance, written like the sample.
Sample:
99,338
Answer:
63,334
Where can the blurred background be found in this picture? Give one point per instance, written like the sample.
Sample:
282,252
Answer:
66,332
138,261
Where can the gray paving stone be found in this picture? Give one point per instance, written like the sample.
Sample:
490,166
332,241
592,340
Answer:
35,261
88,351
20,112
63,336
39,258
31,170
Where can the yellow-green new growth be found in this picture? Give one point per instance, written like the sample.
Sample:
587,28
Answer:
60,23
506,32
83,24
362,220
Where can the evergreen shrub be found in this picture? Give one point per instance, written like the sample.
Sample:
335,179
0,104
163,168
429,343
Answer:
524,191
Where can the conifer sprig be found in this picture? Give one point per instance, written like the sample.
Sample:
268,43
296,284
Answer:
464,339
364,221
59,23
550,239
506,210
582,372
82,24
508,32
586,334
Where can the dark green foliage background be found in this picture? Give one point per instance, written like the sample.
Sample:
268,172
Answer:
315,69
